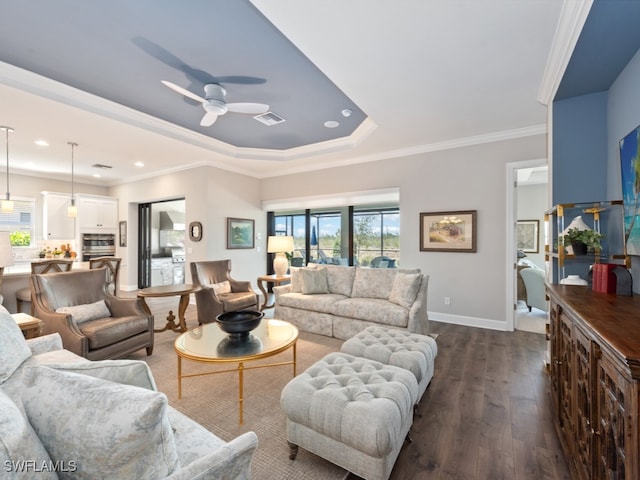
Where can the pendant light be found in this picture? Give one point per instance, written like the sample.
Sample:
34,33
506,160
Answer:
7,203
72,210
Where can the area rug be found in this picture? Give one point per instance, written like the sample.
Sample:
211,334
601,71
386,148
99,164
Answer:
212,401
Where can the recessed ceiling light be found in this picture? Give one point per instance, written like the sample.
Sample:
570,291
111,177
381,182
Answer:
139,164
42,143
97,175
331,124
346,112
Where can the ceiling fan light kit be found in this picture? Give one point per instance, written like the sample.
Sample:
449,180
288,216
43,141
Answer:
215,104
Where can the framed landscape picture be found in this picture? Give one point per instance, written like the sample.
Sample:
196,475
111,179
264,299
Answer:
240,233
448,231
527,236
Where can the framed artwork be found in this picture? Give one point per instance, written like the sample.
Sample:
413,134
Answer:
527,236
240,233
448,231
195,231
630,169
123,233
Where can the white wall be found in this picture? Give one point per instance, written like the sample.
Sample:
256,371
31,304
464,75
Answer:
531,205
468,178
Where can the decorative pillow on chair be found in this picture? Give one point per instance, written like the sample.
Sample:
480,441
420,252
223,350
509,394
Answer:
84,313
13,347
110,430
405,288
222,287
314,281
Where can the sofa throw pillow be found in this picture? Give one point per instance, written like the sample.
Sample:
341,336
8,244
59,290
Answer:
127,372
296,277
314,281
13,347
109,429
221,287
19,443
405,288
86,312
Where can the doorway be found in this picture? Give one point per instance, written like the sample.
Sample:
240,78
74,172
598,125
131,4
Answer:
161,254
527,200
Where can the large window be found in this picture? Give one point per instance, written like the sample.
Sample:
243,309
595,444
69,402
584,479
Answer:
20,222
365,236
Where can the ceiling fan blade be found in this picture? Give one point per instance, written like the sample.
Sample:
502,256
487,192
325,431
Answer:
208,119
183,91
250,108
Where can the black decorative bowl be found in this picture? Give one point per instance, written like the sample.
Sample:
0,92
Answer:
239,324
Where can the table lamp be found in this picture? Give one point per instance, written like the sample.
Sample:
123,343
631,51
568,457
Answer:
280,244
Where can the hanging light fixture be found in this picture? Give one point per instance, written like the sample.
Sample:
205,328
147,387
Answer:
7,203
72,210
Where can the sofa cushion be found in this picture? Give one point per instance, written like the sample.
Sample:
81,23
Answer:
373,310
296,277
340,279
89,311
405,288
13,346
107,428
314,281
316,303
373,282
19,444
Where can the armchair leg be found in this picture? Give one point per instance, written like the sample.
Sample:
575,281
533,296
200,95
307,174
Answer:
149,350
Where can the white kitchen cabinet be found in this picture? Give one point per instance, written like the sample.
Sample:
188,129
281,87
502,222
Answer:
96,212
56,224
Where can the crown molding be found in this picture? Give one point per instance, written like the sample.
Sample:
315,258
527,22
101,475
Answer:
573,15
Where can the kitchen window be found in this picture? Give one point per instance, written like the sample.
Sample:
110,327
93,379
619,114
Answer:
20,222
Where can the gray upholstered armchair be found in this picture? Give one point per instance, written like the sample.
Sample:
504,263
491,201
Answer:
219,292
92,322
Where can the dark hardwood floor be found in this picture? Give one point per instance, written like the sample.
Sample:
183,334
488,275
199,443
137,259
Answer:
486,414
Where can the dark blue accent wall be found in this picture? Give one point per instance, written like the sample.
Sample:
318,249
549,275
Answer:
580,149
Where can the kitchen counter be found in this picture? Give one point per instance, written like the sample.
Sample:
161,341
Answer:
23,268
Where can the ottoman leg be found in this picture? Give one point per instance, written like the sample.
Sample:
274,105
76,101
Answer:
293,451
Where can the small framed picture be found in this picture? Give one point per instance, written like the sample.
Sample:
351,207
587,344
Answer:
527,236
240,233
448,231
123,233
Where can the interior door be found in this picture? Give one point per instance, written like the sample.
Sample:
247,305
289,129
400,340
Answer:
144,245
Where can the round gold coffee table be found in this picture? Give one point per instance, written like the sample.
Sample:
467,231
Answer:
209,344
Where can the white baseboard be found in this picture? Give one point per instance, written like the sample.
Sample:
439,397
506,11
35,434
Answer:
468,321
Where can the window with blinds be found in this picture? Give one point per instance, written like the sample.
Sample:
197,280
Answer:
20,222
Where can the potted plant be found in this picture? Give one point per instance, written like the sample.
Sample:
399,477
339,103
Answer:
582,241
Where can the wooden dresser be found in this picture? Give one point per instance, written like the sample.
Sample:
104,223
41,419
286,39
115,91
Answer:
595,380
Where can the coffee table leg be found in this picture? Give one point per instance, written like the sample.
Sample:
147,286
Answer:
179,377
294,358
240,389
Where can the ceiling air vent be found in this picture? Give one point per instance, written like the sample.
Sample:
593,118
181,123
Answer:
269,118
100,165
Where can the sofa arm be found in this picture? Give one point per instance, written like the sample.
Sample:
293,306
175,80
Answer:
418,317
232,461
46,343
281,290
72,338
125,307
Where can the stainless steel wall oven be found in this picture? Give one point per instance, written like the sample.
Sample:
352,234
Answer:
98,245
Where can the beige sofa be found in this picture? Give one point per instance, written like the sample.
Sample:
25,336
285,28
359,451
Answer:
339,301
63,416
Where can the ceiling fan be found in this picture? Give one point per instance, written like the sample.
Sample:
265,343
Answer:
214,102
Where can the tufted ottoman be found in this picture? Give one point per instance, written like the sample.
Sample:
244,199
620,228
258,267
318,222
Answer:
351,411
391,346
